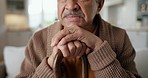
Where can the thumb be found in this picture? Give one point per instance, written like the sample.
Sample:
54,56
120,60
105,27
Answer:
52,56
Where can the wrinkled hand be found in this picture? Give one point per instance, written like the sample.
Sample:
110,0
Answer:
70,50
73,49
73,41
75,33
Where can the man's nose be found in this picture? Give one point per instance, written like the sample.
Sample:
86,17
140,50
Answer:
72,5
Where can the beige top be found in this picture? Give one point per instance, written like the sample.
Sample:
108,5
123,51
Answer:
114,59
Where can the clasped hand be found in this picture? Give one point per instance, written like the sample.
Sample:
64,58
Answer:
73,41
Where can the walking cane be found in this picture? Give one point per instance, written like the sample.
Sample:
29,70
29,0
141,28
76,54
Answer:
58,68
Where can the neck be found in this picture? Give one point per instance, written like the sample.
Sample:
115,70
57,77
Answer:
94,25
91,28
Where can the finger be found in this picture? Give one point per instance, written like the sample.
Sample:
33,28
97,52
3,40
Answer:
78,47
83,50
68,38
55,50
52,56
88,50
58,37
64,49
72,48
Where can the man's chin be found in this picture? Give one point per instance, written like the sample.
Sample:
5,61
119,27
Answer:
69,24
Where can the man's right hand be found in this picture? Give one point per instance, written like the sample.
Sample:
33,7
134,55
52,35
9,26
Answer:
73,49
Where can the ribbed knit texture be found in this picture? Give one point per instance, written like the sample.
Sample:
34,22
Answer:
114,58
102,57
43,70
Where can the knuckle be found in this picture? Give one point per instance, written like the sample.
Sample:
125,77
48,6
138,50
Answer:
65,55
57,38
71,48
79,45
64,39
69,37
62,48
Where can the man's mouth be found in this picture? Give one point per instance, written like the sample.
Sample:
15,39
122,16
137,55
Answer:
73,18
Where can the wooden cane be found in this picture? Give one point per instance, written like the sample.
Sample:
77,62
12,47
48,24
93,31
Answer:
57,67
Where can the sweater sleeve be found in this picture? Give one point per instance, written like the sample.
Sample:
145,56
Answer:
105,64
30,69
42,71
35,63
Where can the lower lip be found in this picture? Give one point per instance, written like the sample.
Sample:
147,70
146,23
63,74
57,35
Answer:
73,18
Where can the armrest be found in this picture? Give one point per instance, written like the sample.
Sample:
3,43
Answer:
2,70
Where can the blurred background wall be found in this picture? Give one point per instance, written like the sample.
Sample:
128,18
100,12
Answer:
2,27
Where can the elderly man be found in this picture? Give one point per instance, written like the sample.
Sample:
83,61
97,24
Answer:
80,32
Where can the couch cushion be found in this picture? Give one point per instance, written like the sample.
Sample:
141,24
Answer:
141,62
13,57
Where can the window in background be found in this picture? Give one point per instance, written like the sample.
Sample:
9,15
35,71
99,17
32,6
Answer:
42,13
15,6
15,17
142,15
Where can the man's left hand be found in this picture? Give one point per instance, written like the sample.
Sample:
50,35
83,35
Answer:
74,33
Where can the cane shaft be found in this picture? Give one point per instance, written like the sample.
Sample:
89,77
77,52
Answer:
57,67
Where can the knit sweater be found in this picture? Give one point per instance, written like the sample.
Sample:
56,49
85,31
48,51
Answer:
113,59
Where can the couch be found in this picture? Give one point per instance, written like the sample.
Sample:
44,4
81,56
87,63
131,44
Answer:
141,60
13,57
